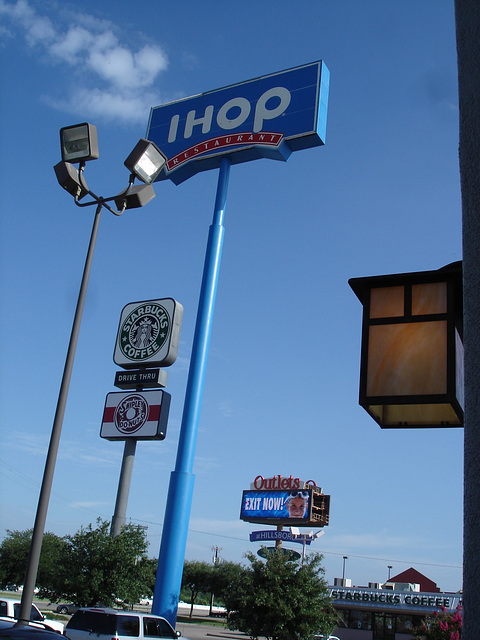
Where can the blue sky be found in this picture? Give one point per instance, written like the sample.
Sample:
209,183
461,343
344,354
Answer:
281,393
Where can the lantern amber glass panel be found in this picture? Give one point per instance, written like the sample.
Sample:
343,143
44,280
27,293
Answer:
412,352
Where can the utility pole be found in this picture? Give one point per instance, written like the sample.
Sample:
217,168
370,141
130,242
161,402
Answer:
216,550
216,560
467,19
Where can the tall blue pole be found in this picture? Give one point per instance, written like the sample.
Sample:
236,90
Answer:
179,499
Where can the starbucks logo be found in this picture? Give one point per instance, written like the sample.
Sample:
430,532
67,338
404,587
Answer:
144,331
131,414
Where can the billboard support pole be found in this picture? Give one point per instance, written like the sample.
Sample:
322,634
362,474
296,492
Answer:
278,541
179,499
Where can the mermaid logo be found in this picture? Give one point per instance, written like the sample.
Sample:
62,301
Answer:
144,331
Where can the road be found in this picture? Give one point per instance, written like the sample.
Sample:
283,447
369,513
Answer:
205,632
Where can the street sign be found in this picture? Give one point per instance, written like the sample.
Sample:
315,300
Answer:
274,534
267,117
145,378
148,334
142,415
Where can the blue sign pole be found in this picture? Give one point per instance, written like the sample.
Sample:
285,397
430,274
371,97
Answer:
179,500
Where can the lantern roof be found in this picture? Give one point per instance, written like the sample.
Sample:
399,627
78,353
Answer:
453,271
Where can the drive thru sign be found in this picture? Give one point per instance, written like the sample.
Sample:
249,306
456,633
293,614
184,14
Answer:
268,117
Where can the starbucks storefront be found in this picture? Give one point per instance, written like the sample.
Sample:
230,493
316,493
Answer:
382,614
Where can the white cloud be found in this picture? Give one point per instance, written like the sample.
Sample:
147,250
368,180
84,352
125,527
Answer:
37,28
121,106
233,528
69,47
106,78
150,61
88,504
31,443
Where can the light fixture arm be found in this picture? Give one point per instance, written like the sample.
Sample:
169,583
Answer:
99,200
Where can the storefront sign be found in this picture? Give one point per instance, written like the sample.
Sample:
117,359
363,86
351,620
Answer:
386,598
267,117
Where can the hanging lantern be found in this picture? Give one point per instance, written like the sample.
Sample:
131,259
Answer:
411,372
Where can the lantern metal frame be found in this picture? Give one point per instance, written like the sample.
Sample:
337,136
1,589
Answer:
404,410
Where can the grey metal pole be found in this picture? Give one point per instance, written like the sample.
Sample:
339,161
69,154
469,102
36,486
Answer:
39,526
467,18
120,514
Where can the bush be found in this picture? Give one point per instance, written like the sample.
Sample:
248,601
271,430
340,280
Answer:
441,626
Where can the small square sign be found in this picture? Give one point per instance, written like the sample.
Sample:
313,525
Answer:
148,334
142,415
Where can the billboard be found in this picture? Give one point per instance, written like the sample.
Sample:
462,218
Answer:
142,415
267,117
304,507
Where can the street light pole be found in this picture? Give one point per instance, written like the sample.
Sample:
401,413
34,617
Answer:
39,526
79,144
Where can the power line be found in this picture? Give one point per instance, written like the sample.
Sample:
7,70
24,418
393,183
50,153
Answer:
66,501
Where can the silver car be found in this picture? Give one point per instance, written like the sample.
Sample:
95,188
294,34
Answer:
104,624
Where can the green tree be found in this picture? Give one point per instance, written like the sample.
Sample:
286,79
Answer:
98,568
281,599
196,577
150,569
14,552
224,576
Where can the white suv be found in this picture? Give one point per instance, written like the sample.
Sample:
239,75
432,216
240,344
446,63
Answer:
10,608
108,624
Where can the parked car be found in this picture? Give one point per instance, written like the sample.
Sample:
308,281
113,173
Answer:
66,608
104,624
38,631
10,608
146,602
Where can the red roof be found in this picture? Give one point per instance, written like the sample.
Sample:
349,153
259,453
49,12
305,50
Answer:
415,577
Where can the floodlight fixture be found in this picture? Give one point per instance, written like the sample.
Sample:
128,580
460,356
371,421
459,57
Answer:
135,196
69,178
79,142
146,161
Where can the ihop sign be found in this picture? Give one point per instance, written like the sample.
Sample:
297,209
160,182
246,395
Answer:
269,117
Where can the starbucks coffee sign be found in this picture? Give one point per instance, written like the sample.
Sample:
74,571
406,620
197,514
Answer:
148,334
